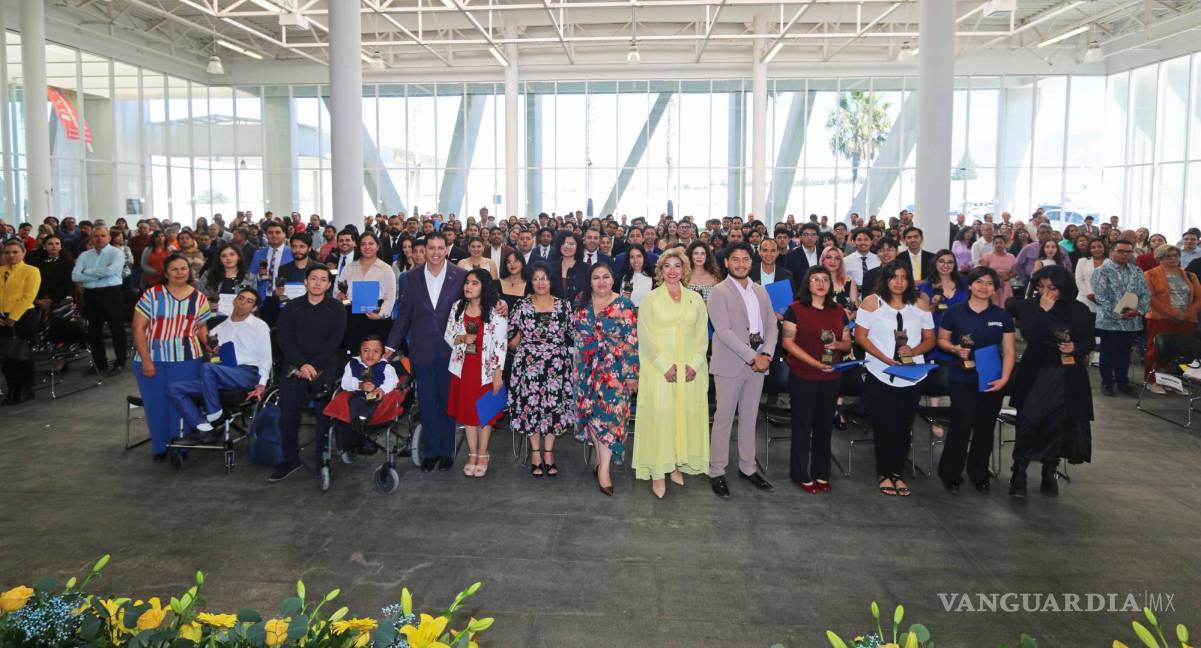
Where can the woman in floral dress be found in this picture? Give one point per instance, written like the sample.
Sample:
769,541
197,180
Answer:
541,399
606,334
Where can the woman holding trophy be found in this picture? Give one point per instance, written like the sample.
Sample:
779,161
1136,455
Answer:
893,330
1051,389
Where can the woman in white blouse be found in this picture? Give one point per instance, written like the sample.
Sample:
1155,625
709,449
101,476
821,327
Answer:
894,326
1098,251
367,267
636,281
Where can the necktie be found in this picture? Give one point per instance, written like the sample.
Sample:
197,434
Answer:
342,263
271,264
915,260
590,258
863,264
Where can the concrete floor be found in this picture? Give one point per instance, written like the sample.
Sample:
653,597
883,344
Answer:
563,565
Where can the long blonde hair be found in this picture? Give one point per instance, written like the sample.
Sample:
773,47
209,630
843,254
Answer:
673,253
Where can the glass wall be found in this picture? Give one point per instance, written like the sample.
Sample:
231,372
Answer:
133,142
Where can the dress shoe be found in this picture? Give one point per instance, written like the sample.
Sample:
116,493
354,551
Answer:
428,464
810,487
1108,390
1017,483
115,370
445,463
282,472
1128,389
1050,480
952,487
984,487
720,487
757,481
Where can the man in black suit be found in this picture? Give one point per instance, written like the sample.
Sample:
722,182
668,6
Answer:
543,250
886,250
525,246
768,271
390,241
806,254
592,253
343,254
924,260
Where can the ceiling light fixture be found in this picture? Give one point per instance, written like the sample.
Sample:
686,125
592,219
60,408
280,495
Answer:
500,58
1093,54
906,52
771,54
377,61
1064,36
633,56
239,49
215,66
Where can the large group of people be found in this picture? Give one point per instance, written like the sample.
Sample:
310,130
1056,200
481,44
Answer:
608,327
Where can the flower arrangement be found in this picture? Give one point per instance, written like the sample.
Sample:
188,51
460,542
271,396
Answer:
916,637
1156,639
52,615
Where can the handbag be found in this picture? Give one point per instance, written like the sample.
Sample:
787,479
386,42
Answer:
15,349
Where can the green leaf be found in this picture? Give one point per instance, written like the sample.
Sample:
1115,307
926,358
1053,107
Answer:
385,635
247,615
300,589
923,634
332,595
1144,635
898,614
257,634
480,625
290,607
182,643
175,606
90,627
337,616
297,627
47,585
1181,633
1150,616
834,639
475,587
876,611
101,563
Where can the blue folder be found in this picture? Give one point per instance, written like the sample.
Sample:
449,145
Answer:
912,373
227,354
988,365
364,296
849,364
489,405
781,295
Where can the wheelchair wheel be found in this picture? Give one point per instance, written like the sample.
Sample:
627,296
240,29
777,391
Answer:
229,461
386,478
324,477
415,446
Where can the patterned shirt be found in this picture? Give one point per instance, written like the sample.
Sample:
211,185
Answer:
174,323
1110,282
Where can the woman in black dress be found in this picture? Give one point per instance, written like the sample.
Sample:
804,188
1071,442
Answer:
1051,388
568,276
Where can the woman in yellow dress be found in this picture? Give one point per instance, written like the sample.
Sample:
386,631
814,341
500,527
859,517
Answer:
672,423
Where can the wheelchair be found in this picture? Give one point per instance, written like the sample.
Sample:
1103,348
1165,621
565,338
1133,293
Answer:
239,410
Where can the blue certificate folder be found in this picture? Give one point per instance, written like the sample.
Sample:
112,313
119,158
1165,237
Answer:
912,373
227,354
364,296
988,365
849,364
489,405
781,295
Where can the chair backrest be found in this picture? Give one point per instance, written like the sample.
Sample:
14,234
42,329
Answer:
1172,349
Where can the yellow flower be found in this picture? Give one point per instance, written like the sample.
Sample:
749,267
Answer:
217,620
192,632
15,598
426,635
277,632
355,625
153,617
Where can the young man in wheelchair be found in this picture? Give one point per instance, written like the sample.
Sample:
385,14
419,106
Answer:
368,397
246,369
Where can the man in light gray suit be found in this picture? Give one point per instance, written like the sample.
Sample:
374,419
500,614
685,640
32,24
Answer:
744,339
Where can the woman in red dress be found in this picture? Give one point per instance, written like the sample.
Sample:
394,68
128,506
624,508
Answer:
478,337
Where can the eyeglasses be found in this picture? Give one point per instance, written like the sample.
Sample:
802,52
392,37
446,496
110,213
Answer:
946,262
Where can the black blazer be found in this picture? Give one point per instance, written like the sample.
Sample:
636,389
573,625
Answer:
782,273
927,262
577,278
797,262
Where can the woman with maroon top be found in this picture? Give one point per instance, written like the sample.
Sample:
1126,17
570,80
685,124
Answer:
815,337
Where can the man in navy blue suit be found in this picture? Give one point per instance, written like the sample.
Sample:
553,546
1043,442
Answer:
267,260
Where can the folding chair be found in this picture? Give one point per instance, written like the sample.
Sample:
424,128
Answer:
133,403
1009,416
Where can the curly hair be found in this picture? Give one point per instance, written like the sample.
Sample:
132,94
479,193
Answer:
674,253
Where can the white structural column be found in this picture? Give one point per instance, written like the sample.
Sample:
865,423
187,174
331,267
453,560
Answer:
512,174
935,93
346,112
758,126
37,123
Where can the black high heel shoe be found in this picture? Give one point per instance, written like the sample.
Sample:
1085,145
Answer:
607,490
549,469
537,469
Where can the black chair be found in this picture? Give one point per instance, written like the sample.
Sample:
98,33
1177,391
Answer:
1171,351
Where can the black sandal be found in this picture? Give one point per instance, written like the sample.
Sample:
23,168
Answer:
902,491
890,489
536,469
549,468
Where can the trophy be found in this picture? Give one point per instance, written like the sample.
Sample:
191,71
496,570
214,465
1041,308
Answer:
214,349
365,376
280,283
344,288
968,343
472,329
827,337
1064,336
756,340
942,300
264,273
627,287
902,339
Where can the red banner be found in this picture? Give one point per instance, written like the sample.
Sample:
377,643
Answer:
67,114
